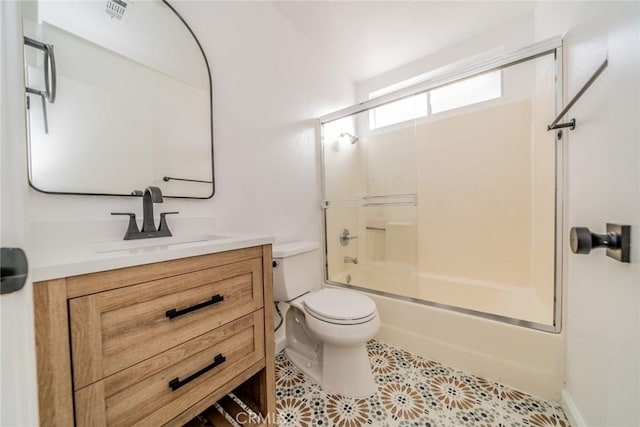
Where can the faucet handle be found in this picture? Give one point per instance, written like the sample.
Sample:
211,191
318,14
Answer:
346,237
163,222
133,225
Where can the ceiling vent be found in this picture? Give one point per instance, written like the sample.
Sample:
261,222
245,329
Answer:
116,8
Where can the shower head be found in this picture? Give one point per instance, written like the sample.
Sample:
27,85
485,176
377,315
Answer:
349,137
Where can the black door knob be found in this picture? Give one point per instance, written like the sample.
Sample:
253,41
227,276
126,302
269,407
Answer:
616,241
582,240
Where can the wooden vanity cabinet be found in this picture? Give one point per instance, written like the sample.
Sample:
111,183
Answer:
156,344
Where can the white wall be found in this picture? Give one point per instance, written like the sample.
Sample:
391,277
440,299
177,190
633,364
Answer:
269,85
603,296
504,38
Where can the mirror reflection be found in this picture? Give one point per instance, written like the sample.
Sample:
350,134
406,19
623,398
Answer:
119,98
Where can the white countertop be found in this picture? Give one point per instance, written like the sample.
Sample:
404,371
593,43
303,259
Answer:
56,261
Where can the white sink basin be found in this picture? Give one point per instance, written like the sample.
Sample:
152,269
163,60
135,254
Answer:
154,244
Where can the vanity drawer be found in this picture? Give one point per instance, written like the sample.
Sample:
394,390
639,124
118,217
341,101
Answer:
115,329
142,394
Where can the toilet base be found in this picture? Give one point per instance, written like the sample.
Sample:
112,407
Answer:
311,368
343,370
347,371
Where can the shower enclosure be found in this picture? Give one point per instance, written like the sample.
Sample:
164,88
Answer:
448,192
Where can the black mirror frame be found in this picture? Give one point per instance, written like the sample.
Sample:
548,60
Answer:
213,181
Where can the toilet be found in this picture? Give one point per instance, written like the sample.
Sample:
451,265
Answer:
326,329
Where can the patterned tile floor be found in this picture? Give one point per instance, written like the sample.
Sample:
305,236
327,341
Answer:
412,391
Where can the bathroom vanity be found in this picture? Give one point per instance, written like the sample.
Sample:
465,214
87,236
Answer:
156,343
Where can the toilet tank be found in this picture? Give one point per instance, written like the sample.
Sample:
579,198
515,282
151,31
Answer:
297,269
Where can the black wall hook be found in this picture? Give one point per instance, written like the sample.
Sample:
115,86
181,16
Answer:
617,241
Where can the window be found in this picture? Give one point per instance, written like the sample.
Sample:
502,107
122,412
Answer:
455,95
398,111
466,92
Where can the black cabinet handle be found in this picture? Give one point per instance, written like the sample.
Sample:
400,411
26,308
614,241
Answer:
175,313
175,383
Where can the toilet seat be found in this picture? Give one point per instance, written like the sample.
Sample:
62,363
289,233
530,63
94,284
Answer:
340,306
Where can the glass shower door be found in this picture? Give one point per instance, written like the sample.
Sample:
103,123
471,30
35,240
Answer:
451,200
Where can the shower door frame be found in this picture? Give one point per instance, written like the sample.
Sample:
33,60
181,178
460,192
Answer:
552,46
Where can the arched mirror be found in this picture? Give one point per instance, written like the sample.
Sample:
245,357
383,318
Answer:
119,98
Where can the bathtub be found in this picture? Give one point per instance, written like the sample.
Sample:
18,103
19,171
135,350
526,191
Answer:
504,302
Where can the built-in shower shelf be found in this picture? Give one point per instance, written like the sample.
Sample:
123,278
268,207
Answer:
372,201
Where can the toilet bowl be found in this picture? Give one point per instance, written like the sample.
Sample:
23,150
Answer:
326,329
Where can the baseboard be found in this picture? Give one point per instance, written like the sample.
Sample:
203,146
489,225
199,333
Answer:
571,410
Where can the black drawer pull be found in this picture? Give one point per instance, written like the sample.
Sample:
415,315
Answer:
175,313
176,383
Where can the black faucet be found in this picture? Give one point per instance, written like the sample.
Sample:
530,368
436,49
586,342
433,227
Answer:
150,196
